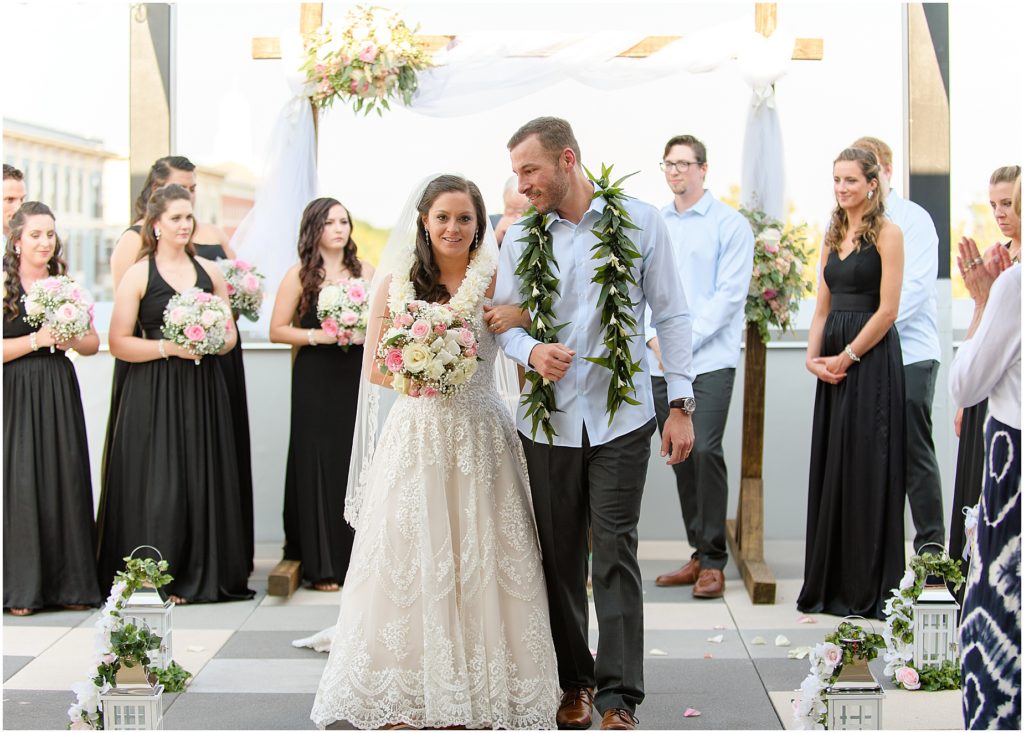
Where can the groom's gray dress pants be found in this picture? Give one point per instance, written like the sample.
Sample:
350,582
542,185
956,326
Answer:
600,488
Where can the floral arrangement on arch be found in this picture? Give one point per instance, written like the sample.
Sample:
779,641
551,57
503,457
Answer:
899,625
848,642
121,643
777,284
372,58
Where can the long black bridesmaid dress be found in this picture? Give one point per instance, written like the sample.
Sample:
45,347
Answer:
855,553
172,481
233,369
325,390
49,533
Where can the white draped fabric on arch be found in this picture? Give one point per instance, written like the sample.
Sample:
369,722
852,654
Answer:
490,69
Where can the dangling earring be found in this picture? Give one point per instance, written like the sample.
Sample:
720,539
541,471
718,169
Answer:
17,250
871,195
156,232
426,234
476,238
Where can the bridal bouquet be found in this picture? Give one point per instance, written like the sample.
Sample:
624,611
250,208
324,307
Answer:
245,287
342,309
60,303
198,321
429,349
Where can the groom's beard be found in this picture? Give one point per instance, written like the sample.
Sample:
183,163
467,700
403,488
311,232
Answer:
552,195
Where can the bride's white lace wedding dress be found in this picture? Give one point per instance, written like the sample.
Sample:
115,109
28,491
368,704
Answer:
444,614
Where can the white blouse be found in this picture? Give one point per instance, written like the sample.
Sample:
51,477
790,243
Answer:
988,364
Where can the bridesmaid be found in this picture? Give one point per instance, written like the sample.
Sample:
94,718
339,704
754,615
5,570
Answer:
325,389
210,242
166,483
49,532
970,420
854,551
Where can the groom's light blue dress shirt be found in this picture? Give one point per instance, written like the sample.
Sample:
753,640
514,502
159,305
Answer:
581,395
917,322
713,246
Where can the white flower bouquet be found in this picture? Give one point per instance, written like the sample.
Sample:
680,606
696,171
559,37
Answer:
198,321
343,309
245,287
429,349
60,303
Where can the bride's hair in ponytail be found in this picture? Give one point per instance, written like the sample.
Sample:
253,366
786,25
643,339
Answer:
426,274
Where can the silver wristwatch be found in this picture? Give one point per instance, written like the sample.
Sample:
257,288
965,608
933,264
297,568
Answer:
687,404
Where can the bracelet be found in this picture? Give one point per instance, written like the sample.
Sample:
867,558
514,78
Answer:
32,341
849,352
160,345
309,336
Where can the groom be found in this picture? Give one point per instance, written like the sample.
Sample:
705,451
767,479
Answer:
592,474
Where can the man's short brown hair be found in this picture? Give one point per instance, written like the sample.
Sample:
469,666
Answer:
699,151
554,133
12,173
883,153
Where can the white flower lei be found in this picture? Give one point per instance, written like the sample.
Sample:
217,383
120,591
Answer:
464,301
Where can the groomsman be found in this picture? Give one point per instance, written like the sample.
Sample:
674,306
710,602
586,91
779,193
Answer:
919,340
14,195
714,253
593,473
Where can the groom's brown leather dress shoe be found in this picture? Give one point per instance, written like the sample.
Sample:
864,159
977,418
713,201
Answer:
574,710
710,584
618,719
686,575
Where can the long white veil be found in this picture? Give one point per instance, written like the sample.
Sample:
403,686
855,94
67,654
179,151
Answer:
375,401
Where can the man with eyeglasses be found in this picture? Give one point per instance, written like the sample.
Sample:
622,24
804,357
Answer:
714,251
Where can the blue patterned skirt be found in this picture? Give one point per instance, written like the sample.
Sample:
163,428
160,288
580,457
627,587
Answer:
990,626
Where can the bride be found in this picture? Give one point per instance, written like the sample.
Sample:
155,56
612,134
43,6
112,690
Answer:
444,616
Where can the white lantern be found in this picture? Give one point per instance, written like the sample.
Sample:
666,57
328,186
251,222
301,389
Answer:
146,607
935,630
134,704
854,700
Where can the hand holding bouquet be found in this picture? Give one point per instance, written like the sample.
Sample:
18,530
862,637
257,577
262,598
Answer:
429,349
245,287
60,303
342,309
198,321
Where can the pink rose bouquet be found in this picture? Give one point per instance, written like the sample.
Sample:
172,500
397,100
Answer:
429,350
245,287
60,303
198,321
343,309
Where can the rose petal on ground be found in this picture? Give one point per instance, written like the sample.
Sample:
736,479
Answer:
781,640
195,648
691,713
758,640
719,626
707,655
717,639
658,653
806,620
799,652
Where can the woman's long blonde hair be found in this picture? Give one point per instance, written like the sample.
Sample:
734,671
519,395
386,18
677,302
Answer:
874,215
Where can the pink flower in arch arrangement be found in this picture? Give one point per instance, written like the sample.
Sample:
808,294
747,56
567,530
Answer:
769,293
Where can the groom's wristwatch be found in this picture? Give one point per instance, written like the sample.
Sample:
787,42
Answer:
687,404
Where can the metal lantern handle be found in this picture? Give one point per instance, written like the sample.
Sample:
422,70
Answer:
935,544
142,547
844,618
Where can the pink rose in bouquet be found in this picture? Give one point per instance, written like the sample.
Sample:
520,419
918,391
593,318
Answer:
197,321
345,304
245,287
62,304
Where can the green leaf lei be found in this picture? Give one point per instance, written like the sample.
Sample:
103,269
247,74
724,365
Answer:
536,270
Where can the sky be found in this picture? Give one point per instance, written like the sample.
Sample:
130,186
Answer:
228,102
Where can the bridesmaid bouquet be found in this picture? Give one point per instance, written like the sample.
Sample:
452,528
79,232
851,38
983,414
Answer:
198,321
429,349
245,287
342,309
60,303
